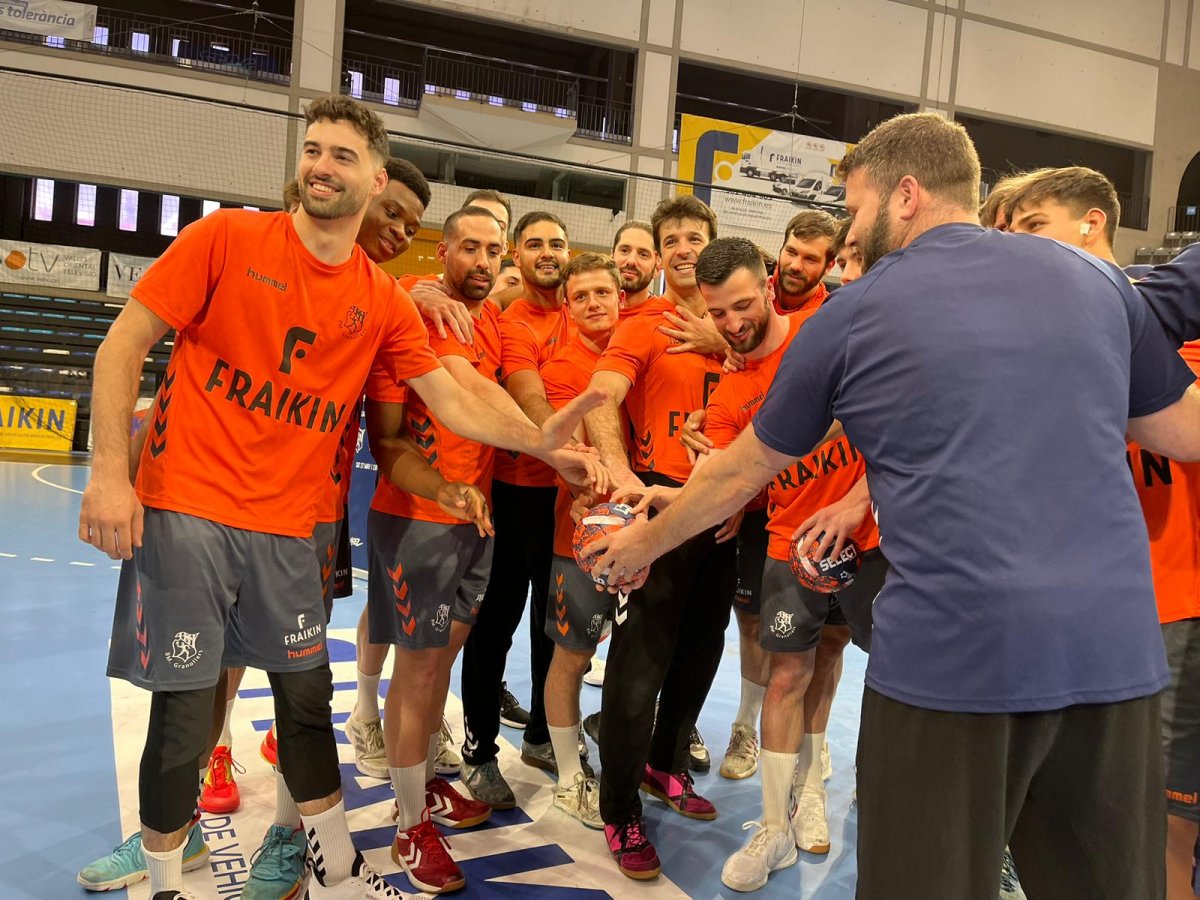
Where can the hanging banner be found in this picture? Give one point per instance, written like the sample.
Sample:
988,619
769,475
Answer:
124,272
53,18
775,165
49,265
36,423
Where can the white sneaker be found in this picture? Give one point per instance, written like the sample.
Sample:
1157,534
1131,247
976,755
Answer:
765,852
446,762
364,883
826,762
595,675
581,801
367,738
741,757
809,822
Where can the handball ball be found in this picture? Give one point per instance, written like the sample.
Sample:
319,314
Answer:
599,520
828,574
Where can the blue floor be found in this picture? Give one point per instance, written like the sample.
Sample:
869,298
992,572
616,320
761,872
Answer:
58,768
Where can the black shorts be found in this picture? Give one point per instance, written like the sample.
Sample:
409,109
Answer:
792,615
1181,718
751,554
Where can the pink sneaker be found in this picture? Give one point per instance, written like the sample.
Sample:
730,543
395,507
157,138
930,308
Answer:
635,855
677,792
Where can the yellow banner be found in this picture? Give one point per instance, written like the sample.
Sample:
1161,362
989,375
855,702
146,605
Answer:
36,423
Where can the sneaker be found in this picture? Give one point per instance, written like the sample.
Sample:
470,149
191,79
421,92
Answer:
126,865
541,756
595,675
591,727
809,822
677,792
364,883
511,712
826,762
277,867
581,800
1010,885
220,793
766,852
369,756
698,758
635,855
173,895
741,757
269,748
485,783
450,808
424,855
447,762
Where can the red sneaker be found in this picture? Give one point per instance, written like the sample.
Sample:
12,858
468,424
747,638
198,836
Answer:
450,808
220,792
635,855
677,792
269,749
424,855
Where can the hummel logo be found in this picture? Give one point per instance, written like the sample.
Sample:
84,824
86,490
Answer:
280,286
622,608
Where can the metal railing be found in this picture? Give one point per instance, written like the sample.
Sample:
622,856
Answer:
381,80
1184,218
245,52
606,120
499,83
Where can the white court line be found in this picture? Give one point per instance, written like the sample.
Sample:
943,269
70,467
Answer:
38,477
40,559
89,565
8,555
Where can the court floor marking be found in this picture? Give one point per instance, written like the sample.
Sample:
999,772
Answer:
36,473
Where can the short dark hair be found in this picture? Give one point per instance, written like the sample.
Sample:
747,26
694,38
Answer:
410,176
291,195
533,218
811,224
724,256
634,223
336,108
935,151
450,226
1076,187
675,209
839,236
493,196
589,261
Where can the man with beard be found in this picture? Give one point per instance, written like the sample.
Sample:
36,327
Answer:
531,329
804,260
637,261
1016,658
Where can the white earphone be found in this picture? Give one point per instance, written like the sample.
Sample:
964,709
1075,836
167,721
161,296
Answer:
1085,228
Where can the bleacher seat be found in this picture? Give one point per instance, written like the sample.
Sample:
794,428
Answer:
1173,239
1143,256
1189,237
1161,255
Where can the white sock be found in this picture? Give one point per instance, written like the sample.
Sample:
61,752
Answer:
751,705
226,739
409,784
286,811
565,742
431,755
808,769
166,869
366,706
329,844
777,770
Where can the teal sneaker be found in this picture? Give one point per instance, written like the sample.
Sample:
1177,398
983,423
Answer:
277,867
127,864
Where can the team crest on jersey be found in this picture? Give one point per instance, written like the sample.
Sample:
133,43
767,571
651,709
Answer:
595,625
353,324
782,627
184,653
441,618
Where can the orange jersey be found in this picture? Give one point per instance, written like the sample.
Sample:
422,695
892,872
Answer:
455,458
1169,492
665,388
332,507
531,334
271,352
809,483
811,305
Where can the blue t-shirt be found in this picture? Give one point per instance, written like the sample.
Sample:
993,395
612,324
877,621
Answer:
988,379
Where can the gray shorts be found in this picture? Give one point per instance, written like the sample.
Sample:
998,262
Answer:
199,596
421,575
1181,718
792,615
576,612
325,542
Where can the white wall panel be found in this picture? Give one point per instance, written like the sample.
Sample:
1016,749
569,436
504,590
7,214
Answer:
661,27
941,58
655,100
1134,26
1177,31
885,52
1041,80
616,18
1194,38
319,34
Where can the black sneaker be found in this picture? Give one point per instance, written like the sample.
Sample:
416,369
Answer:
591,727
511,712
698,757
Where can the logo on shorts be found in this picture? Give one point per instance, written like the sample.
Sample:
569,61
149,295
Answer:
184,653
352,326
595,625
302,634
782,627
441,618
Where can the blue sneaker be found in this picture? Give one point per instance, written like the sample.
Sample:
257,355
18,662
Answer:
277,867
126,865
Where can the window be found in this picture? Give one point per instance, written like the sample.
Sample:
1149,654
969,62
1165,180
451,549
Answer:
56,42
43,199
175,42
356,84
140,41
209,206
85,205
128,211
168,217
100,35
391,91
